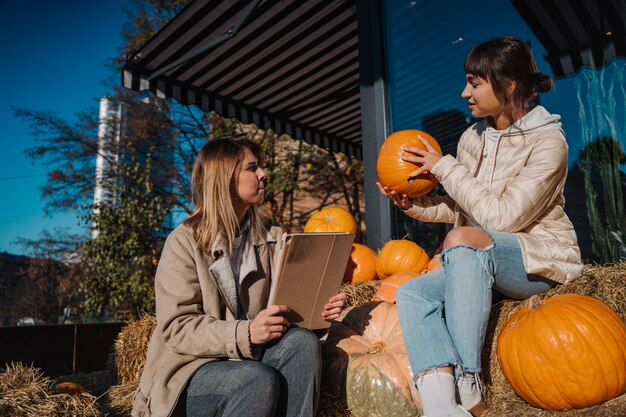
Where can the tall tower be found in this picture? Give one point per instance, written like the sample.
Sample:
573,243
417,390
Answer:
109,137
117,135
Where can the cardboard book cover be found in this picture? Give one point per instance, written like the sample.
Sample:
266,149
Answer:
309,270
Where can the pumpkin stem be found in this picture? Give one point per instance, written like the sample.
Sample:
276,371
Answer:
378,347
534,302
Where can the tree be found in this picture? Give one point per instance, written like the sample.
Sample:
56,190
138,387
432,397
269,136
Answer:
148,158
35,286
119,264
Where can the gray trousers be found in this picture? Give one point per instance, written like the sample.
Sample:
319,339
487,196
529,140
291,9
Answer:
285,382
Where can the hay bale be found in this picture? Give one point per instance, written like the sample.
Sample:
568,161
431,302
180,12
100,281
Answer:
359,293
131,347
121,398
26,392
605,283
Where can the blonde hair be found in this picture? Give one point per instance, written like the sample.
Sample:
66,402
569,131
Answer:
213,187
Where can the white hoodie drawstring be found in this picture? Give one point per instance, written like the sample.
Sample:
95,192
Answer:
493,160
490,150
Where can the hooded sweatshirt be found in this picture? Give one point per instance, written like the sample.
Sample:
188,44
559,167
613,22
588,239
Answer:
511,181
537,120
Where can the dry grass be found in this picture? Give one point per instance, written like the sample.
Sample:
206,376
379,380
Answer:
359,293
26,392
130,346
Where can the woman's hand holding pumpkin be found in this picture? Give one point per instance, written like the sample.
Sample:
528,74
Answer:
269,324
425,158
332,309
403,202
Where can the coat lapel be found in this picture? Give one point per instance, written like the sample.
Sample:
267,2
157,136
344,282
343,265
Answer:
222,272
248,261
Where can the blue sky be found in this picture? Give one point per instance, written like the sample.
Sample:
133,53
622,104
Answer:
54,56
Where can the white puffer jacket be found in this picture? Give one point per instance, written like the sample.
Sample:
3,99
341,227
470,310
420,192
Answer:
511,181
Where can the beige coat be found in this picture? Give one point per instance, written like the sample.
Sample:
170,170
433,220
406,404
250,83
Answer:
520,191
196,310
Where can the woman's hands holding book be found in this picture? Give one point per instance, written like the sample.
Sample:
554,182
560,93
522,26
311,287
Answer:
269,324
332,309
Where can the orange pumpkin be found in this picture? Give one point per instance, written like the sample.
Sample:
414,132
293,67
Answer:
399,256
393,172
387,290
331,219
434,263
366,364
361,265
71,388
564,353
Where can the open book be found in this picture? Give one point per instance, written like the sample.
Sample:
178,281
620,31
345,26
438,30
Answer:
309,270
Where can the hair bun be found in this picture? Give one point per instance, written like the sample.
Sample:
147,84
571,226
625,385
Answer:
543,82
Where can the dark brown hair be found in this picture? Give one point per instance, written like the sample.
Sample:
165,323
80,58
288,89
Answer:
502,61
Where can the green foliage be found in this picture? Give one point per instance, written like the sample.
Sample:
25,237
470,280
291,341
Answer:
605,207
601,157
119,264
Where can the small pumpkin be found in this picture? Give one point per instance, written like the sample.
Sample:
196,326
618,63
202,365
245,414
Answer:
387,290
71,388
401,255
365,363
564,353
393,171
331,219
361,265
434,263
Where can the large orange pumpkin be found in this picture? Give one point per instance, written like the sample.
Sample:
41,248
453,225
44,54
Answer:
564,353
331,219
399,256
361,265
387,290
366,364
393,172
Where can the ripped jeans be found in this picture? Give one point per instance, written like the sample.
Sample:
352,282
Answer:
464,286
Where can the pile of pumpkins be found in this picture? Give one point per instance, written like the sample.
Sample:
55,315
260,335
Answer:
397,262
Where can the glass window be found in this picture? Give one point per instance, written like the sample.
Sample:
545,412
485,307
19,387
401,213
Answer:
425,45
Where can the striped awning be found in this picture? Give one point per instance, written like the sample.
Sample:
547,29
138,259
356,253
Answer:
288,65
577,33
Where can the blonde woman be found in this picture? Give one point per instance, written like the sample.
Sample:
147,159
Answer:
216,350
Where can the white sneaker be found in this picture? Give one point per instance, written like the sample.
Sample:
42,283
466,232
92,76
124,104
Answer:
469,393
